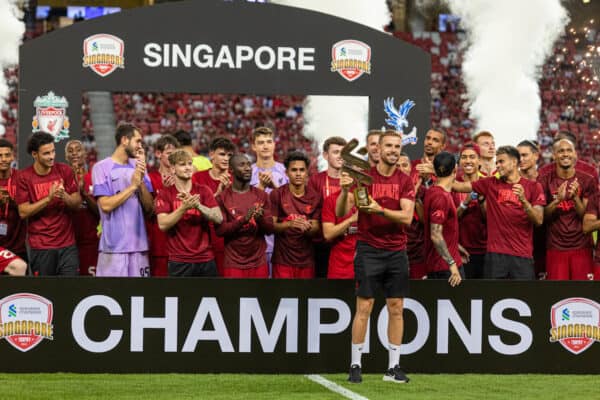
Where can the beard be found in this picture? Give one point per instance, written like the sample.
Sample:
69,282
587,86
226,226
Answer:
130,152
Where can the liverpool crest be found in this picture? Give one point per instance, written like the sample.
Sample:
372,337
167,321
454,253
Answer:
51,116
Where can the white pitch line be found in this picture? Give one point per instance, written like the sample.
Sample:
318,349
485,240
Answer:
334,387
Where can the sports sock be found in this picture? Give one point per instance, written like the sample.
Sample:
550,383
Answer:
357,353
393,355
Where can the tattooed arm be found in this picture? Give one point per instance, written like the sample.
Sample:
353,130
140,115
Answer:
440,246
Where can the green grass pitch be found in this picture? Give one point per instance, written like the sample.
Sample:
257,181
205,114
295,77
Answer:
250,387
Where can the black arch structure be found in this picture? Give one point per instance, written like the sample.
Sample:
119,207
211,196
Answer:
54,62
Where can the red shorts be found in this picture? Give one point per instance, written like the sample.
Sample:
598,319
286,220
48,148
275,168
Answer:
564,265
340,269
281,271
88,259
417,271
159,266
261,272
6,257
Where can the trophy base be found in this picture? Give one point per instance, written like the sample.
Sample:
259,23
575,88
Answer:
361,197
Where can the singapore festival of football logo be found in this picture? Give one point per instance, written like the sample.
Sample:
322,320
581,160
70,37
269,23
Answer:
26,320
575,324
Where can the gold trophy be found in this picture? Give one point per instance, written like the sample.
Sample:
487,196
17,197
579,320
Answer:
355,167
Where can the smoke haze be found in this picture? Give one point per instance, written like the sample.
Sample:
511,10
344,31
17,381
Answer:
508,42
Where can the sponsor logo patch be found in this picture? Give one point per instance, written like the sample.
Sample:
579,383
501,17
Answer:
351,59
575,324
26,320
103,53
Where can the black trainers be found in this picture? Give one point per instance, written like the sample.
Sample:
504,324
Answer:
355,374
395,375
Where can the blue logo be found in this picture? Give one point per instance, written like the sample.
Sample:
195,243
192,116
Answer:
95,46
12,311
566,314
398,119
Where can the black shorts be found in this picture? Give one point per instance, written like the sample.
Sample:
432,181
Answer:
206,269
377,269
504,266
52,262
474,268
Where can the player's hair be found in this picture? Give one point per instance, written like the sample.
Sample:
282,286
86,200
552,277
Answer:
470,146
236,157
482,134
6,143
260,131
125,129
165,140
403,154
443,133
178,156
566,135
70,142
221,143
183,137
373,132
510,151
37,140
389,132
443,164
296,155
340,141
531,144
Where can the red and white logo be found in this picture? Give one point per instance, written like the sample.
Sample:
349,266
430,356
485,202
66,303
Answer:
351,58
103,53
25,320
575,323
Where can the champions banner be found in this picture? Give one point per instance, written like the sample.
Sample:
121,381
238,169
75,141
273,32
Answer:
277,326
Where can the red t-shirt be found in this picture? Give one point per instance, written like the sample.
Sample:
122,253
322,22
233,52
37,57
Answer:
343,247
376,230
85,221
204,178
52,227
14,238
439,209
156,237
415,234
324,184
245,244
593,207
564,228
188,241
580,165
293,247
472,230
508,227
